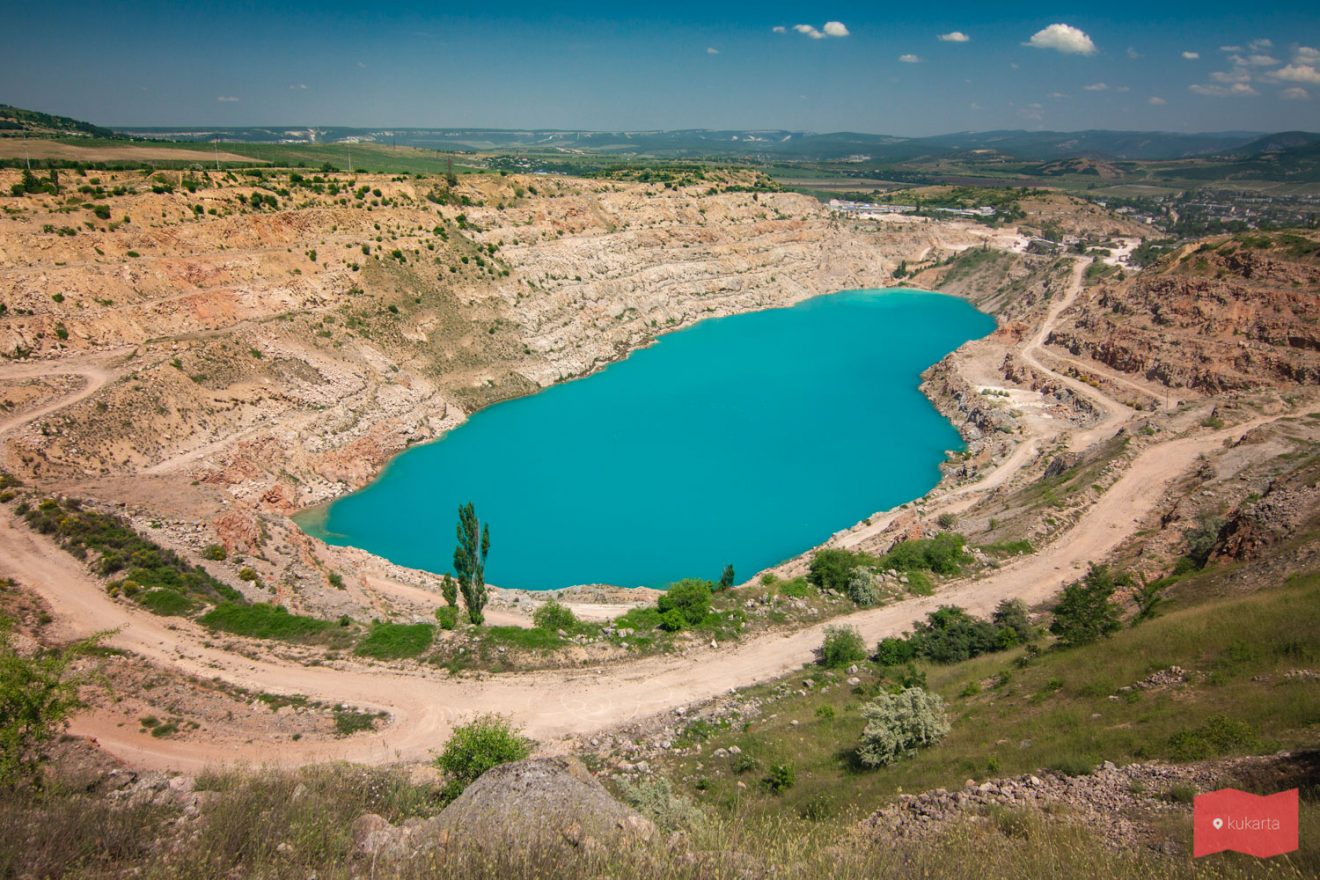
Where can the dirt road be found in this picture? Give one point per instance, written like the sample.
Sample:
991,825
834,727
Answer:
93,368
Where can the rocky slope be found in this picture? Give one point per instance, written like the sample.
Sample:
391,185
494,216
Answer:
1225,315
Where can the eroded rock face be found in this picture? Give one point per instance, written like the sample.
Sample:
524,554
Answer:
1220,317
1253,528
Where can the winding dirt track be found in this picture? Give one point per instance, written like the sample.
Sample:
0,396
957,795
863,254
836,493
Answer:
562,703
92,369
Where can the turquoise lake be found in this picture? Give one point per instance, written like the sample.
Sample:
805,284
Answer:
742,440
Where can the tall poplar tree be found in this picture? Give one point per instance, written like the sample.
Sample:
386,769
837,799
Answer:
470,561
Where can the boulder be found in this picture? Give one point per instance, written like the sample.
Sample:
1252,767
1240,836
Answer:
541,799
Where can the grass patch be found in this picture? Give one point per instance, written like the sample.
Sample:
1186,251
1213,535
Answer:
1008,548
534,639
1013,712
262,621
351,721
167,603
396,641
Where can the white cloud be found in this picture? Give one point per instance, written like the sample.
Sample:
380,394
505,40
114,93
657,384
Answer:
1097,87
1132,53
362,65
1057,95
1301,73
779,29
828,29
1295,94
909,58
227,99
298,87
711,50
1156,101
1236,75
1260,45
1033,112
1063,38
1191,56
1254,60
1235,90
1306,55
954,37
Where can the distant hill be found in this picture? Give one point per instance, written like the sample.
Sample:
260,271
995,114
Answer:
1030,146
17,122
1273,144
1048,146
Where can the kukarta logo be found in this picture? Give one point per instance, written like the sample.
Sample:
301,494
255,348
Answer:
1258,825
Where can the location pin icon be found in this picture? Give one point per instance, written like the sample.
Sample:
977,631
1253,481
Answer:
1218,823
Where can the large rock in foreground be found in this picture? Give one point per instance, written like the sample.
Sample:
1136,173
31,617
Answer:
540,799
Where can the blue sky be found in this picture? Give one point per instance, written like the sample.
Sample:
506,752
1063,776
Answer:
1209,66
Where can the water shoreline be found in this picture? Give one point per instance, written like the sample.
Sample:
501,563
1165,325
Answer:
312,520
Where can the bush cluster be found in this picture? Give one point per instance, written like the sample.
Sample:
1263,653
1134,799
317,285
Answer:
146,570
950,635
945,554
843,645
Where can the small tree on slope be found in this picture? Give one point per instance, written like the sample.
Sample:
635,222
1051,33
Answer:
1086,613
470,561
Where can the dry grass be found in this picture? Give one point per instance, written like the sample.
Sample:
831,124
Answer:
297,825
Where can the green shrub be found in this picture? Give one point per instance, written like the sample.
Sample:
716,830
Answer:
37,693
554,616
1219,735
797,588
1086,613
943,554
657,800
918,584
690,598
863,588
484,742
899,724
639,619
447,615
216,552
779,778
745,763
951,635
895,651
395,641
843,645
1011,616
831,568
